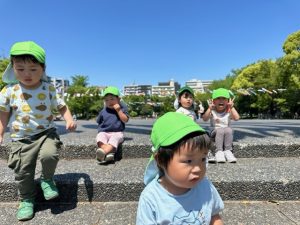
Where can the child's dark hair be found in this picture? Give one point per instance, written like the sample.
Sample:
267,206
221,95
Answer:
26,58
196,140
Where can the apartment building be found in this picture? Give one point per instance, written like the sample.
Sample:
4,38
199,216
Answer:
138,89
198,85
166,88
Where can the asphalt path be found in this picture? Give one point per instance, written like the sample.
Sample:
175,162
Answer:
138,131
245,131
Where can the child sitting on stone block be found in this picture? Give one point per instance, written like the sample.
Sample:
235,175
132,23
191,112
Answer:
220,112
111,124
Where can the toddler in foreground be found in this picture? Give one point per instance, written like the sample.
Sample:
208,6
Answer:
177,190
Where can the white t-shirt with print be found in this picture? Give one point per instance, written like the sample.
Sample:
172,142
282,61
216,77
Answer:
31,109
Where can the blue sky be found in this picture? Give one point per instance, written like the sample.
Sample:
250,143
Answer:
121,42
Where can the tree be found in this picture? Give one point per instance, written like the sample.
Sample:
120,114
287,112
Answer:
83,101
80,80
289,73
146,110
3,64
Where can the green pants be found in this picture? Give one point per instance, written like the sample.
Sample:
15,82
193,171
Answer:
24,155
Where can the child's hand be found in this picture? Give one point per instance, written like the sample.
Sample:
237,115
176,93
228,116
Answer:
230,104
71,125
117,107
1,140
210,104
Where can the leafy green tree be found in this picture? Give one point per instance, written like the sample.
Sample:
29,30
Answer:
146,110
289,70
82,100
261,74
3,64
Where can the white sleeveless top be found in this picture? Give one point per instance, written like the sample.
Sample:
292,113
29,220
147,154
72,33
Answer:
218,120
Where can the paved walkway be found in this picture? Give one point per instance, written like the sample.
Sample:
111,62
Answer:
247,132
138,131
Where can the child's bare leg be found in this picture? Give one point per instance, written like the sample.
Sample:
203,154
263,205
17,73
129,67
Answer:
107,148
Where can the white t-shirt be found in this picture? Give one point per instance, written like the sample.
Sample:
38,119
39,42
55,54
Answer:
31,109
187,112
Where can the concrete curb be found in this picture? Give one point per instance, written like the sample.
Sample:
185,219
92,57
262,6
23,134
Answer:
144,151
84,180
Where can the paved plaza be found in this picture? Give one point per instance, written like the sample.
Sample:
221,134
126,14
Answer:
261,188
246,131
138,131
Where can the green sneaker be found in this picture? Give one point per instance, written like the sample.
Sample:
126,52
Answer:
25,211
49,189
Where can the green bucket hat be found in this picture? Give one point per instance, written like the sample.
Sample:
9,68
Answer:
186,88
111,90
220,92
24,48
167,130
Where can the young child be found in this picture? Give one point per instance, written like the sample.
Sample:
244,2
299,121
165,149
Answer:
186,102
220,112
111,124
28,102
177,190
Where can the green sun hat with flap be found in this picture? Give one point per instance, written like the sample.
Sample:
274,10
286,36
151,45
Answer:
171,127
29,48
220,92
186,88
24,48
111,90
167,130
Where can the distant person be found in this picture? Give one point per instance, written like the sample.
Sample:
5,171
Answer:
28,102
185,102
111,124
220,112
177,190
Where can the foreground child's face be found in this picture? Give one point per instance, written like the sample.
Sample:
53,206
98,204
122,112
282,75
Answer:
186,100
28,73
185,170
111,100
220,104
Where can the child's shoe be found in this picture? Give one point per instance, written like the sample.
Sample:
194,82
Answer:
110,157
211,158
229,156
26,210
100,155
49,189
220,158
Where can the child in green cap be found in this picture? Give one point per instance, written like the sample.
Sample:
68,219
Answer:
186,102
177,190
27,104
220,112
111,124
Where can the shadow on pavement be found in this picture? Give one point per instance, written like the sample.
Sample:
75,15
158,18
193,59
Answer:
68,193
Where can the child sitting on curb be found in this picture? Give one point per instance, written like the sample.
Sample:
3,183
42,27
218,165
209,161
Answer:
220,112
177,190
111,124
